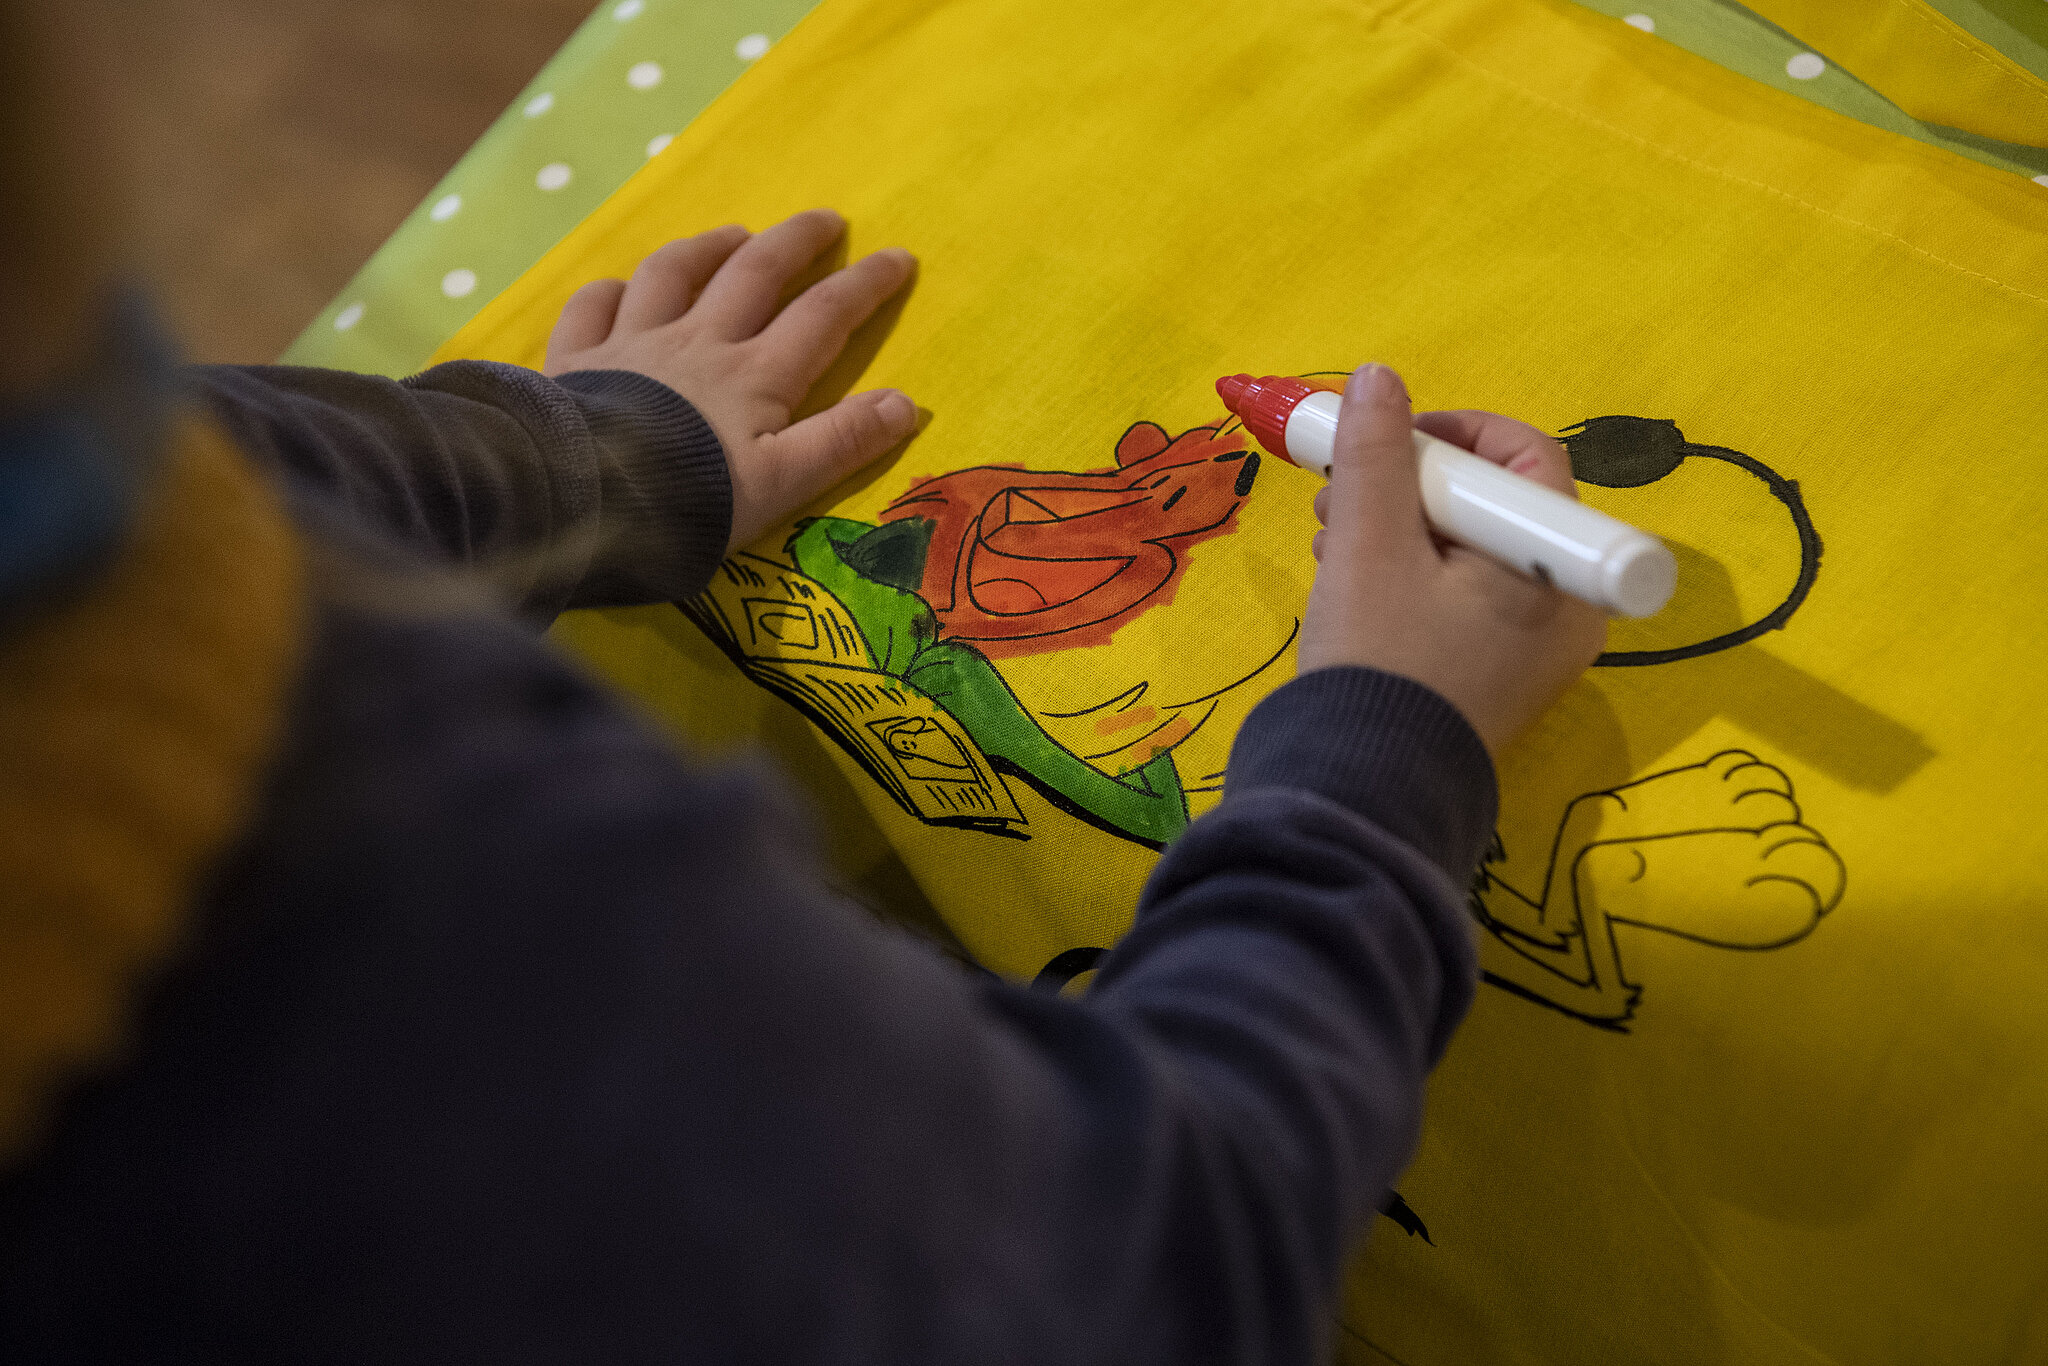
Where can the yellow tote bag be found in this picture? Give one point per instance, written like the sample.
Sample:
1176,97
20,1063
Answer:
1758,1073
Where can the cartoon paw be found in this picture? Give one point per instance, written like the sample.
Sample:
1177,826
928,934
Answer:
1732,888
1733,790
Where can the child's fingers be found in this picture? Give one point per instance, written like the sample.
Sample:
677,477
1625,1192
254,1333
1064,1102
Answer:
812,455
1526,450
1375,486
665,283
747,289
586,320
808,336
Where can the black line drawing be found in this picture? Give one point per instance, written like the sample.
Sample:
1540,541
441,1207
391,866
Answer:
1065,966
1019,556
893,636
890,637
1405,1218
1622,452
1715,852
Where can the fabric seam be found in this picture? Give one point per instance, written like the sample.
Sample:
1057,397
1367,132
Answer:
1969,43
1710,169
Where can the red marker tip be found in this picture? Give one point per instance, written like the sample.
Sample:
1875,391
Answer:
1263,405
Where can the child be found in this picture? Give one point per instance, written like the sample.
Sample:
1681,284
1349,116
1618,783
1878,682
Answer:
374,986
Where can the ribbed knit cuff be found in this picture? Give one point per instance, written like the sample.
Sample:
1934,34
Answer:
665,488
1385,746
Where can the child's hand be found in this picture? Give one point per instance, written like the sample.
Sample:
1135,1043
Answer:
1391,595
704,316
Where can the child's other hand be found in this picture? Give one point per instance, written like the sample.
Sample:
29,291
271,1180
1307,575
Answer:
1391,595
704,315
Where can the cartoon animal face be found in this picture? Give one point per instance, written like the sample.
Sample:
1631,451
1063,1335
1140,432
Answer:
1025,561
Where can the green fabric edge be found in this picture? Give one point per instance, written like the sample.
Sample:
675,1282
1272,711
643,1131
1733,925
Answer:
2018,28
1735,37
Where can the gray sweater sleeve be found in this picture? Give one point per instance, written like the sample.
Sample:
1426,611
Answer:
507,1036
504,1035
1300,959
602,488
513,1039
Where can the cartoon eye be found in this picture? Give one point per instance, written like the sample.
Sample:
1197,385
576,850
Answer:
1243,486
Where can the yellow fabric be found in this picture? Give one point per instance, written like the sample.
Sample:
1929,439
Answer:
134,721
1922,61
1693,1120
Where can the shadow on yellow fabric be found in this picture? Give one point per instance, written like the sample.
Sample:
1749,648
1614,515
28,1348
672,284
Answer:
1759,1079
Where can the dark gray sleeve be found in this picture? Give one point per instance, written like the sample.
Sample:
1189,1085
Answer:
1300,959
602,488
514,1040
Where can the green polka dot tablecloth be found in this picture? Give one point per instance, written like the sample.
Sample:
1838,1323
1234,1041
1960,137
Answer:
638,70
619,89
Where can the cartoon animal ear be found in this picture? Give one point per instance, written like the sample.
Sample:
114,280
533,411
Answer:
893,553
1143,441
1623,452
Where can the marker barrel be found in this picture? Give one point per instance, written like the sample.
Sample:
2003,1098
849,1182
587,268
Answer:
1518,521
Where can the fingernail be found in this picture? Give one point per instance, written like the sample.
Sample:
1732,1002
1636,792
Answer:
896,411
1375,383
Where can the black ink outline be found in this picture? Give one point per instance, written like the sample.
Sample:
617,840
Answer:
1370,1344
705,619
1131,694
1592,959
1786,491
1405,1218
1064,966
916,494
1135,479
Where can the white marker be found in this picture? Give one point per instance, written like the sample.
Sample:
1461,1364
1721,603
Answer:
1477,503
